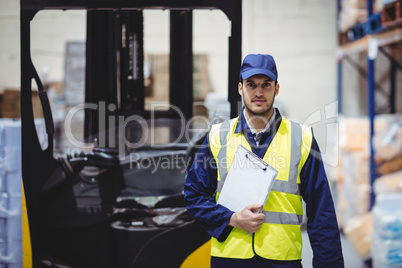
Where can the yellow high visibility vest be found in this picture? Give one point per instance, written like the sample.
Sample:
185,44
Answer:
279,237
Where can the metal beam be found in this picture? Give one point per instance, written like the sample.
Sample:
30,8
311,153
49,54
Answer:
388,56
392,95
371,114
384,38
181,61
371,86
363,73
235,43
339,86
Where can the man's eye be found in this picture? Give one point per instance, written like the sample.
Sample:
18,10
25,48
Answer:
266,84
251,84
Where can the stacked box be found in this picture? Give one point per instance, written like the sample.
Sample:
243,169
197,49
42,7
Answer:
354,187
387,237
387,143
359,231
351,13
10,194
390,183
356,180
354,143
354,12
353,179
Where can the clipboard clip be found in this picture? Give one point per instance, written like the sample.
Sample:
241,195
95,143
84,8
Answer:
263,169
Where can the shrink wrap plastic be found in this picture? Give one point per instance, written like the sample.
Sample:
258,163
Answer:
10,193
355,11
387,238
359,230
356,185
352,12
388,139
377,235
391,183
385,2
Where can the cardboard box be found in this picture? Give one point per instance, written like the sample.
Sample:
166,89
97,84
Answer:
359,231
11,104
391,183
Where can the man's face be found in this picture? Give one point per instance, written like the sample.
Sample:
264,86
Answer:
258,93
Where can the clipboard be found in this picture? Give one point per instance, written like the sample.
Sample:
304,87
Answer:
249,181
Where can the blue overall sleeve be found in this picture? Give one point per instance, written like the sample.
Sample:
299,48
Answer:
199,191
322,226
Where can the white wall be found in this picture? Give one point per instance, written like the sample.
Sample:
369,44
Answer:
301,35
50,30
9,44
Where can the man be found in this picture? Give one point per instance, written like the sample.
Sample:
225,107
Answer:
292,150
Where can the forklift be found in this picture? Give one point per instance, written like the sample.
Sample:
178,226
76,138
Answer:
111,206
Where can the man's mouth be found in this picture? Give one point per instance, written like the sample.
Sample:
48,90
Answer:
258,101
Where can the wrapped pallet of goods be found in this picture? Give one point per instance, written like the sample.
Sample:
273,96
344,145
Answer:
356,184
11,189
387,211
388,144
353,207
391,183
352,12
353,20
354,144
359,231
354,187
386,2
356,218
355,11
386,250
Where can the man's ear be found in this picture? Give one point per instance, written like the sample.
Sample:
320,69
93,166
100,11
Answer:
276,89
240,86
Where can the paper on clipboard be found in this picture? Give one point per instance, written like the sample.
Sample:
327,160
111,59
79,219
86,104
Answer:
249,181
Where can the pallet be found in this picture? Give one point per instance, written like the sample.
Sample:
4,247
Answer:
342,38
357,32
374,23
371,26
391,14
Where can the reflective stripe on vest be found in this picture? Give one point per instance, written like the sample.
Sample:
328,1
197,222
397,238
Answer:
223,171
282,218
279,238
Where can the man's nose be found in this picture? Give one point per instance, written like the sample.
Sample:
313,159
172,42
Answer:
259,91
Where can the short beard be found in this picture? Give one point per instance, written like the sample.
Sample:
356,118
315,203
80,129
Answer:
258,114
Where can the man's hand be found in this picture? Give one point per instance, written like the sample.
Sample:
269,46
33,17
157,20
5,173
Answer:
247,219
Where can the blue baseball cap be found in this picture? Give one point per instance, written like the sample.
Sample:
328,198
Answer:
258,64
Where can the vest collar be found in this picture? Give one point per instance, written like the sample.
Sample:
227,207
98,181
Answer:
242,124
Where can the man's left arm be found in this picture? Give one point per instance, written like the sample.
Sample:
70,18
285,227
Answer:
322,225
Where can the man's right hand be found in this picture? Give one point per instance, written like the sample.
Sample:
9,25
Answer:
247,219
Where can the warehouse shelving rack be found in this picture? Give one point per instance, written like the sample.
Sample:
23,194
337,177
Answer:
383,29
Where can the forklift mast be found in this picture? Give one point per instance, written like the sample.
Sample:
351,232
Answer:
115,59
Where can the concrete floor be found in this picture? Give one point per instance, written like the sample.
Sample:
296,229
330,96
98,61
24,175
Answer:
350,256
